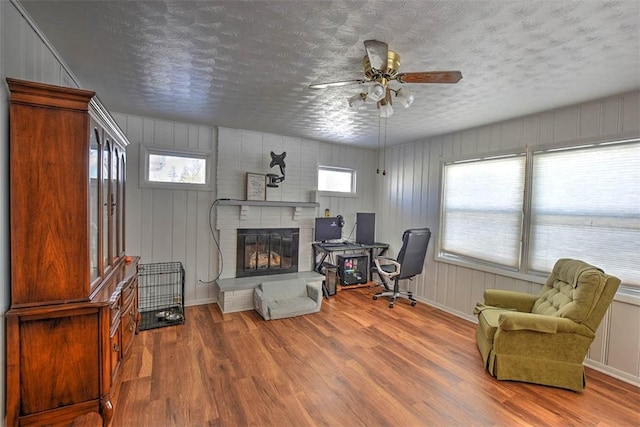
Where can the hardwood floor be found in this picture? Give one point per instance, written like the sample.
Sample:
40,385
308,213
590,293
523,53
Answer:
356,363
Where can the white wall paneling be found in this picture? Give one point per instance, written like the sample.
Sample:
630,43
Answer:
364,162
167,224
241,151
409,196
5,277
24,54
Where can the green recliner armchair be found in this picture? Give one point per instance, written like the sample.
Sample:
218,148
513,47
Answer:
544,339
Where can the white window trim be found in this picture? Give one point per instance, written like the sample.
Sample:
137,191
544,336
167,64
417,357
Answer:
351,194
336,194
145,151
627,290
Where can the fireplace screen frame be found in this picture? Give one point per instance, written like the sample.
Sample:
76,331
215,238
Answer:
276,251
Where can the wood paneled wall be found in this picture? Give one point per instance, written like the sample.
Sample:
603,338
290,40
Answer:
364,162
24,54
241,151
409,196
170,225
174,225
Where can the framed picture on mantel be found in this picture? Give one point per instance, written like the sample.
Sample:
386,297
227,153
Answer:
256,186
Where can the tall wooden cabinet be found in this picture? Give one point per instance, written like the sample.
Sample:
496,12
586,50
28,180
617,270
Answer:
74,307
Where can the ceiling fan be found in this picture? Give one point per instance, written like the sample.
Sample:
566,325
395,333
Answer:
380,66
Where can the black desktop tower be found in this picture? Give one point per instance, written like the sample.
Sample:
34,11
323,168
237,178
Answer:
365,228
353,269
331,280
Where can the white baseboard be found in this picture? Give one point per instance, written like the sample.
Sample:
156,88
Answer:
460,314
201,301
597,366
613,372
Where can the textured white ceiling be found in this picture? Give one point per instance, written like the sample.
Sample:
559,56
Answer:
248,64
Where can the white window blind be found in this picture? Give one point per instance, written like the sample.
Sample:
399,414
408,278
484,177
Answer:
482,210
585,204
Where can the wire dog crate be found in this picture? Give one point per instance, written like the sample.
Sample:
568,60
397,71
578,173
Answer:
161,294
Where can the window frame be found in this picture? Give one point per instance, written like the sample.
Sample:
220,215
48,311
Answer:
522,272
470,260
353,172
146,151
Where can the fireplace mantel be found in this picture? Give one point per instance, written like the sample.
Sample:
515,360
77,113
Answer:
230,202
245,204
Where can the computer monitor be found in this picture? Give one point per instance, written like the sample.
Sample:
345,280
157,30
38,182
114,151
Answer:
327,229
365,228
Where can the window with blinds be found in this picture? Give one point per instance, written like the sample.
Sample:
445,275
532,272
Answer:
585,204
524,211
482,209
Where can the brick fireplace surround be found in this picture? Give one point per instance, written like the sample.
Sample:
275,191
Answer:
291,205
236,293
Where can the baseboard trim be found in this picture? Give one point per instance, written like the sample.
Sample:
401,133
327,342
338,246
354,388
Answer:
203,301
460,314
596,366
612,372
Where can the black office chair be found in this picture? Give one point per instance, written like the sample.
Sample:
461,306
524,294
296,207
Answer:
408,264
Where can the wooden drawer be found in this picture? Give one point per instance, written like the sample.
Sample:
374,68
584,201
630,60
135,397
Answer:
128,322
127,329
115,351
129,290
115,312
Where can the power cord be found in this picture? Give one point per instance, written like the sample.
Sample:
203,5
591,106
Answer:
213,235
351,232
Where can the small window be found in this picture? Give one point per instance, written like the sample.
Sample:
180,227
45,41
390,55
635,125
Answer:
175,168
336,180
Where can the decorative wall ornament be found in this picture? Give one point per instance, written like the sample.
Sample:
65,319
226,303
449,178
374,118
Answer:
276,159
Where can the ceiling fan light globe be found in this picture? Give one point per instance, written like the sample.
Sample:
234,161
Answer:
377,92
357,101
406,98
408,101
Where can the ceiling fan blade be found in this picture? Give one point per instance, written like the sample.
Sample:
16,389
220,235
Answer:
377,52
337,84
430,77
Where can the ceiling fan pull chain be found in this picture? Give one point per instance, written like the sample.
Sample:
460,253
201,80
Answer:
378,152
384,154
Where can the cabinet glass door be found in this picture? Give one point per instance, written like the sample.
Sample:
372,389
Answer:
94,200
106,204
115,203
121,221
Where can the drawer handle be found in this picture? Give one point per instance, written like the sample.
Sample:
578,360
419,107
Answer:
116,347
